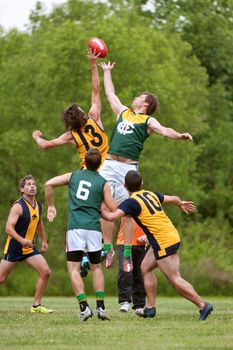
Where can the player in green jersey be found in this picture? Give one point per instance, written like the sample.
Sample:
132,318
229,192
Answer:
87,191
133,126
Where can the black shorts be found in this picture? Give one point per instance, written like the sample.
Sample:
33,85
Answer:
18,256
161,254
77,255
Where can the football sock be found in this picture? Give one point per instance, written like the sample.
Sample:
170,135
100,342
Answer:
100,299
127,251
107,247
82,299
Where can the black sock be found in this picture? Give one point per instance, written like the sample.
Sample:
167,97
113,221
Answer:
100,303
83,304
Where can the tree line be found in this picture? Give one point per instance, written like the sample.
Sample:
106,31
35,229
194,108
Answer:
181,51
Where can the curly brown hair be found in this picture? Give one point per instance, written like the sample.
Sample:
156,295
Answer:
73,117
152,101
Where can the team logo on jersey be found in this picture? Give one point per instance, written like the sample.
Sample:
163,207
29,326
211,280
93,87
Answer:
125,127
34,217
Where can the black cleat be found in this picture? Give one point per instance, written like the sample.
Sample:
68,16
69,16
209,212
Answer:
206,311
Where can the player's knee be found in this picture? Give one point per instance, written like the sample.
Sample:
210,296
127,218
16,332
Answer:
46,273
2,279
174,280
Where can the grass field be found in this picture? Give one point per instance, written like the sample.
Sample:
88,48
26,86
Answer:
175,326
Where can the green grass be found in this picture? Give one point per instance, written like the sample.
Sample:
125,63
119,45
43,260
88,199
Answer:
175,326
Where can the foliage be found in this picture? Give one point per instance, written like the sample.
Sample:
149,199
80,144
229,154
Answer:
181,50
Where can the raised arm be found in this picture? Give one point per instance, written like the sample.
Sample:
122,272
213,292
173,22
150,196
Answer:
56,181
15,213
115,103
95,109
185,206
155,126
59,141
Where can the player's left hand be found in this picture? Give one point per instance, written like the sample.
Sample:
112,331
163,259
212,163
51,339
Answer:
187,207
44,246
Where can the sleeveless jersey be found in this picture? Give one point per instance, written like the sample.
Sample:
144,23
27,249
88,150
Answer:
145,207
90,136
85,198
26,227
129,134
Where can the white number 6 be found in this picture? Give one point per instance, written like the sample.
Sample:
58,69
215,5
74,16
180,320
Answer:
82,191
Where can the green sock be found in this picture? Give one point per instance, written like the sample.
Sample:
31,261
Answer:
99,295
127,251
100,299
81,297
107,247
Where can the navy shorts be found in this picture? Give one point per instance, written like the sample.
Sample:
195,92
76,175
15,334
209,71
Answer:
163,253
18,257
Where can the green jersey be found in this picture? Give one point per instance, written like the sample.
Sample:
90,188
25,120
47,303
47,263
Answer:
85,198
129,134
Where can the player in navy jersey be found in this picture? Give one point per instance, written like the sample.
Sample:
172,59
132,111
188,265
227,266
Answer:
23,222
146,209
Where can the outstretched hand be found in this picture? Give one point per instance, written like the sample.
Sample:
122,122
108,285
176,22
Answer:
92,56
186,136
51,213
188,207
36,133
107,66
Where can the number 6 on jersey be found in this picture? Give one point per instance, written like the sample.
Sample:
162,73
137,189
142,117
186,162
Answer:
83,191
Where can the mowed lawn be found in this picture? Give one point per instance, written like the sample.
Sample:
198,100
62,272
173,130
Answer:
176,326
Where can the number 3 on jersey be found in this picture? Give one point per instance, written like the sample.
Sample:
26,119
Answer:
83,191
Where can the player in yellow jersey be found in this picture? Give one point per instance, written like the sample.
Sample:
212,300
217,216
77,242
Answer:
23,222
146,209
133,126
83,130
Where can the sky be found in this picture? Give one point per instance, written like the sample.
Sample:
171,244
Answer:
15,13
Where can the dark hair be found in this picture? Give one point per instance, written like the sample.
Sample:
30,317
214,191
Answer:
152,101
93,159
133,181
22,182
74,118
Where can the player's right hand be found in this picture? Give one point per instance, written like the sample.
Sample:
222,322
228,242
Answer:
26,243
107,66
36,133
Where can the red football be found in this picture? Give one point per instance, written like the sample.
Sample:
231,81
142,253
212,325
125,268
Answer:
99,46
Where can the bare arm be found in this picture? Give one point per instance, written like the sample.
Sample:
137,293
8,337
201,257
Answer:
15,212
112,216
95,109
185,206
109,201
56,181
59,141
41,233
115,103
155,126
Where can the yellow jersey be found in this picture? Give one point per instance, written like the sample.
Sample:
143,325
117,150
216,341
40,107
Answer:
90,136
26,227
146,209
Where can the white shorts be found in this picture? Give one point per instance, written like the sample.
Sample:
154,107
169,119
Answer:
80,239
114,172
